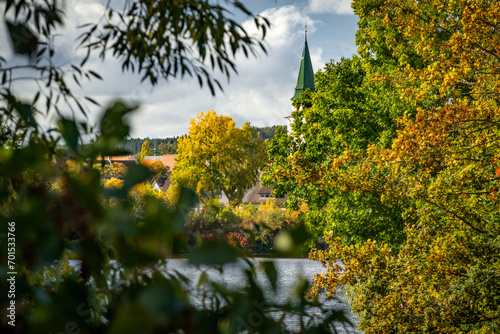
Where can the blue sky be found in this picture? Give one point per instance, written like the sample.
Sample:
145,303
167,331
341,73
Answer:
260,94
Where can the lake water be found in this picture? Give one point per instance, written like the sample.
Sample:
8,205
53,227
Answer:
288,270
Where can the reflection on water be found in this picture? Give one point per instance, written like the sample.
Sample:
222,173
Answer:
289,274
289,271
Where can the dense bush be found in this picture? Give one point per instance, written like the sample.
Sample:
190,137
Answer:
253,228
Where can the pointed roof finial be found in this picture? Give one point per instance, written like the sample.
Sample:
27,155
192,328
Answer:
305,26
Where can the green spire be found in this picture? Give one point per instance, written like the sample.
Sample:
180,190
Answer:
306,73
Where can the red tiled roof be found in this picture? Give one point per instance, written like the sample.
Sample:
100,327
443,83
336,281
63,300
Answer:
167,160
119,158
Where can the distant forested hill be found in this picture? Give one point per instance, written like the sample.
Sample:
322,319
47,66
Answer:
267,132
162,145
169,145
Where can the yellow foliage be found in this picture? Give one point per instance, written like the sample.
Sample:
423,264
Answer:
145,189
113,183
217,157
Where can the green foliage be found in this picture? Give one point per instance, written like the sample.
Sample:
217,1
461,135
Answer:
167,148
159,170
347,111
268,223
268,132
116,170
215,218
253,229
440,174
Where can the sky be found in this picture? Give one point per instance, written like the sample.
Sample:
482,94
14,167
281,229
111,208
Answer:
261,91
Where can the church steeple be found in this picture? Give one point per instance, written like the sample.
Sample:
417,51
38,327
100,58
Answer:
306,73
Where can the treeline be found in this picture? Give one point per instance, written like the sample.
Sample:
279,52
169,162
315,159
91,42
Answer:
162,145
169,145
267,132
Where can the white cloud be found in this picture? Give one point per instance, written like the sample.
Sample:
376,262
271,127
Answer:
284,21
260,93
86,12
330,6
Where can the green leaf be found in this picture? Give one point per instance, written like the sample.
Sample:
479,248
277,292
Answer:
135,175
113,122
95,74
23,39
70,133
271,272
92,100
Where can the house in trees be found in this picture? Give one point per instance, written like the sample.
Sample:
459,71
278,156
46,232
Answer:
160,183
258,195
163,182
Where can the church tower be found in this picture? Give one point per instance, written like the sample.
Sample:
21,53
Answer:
305,79
306,73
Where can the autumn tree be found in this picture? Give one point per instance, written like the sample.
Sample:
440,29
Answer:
159,170
116,169
217,157
145,150
444,277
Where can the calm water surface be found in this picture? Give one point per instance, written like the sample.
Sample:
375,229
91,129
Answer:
289,271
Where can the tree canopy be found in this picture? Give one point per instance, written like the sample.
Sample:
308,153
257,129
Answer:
217,157
440,168
347,112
